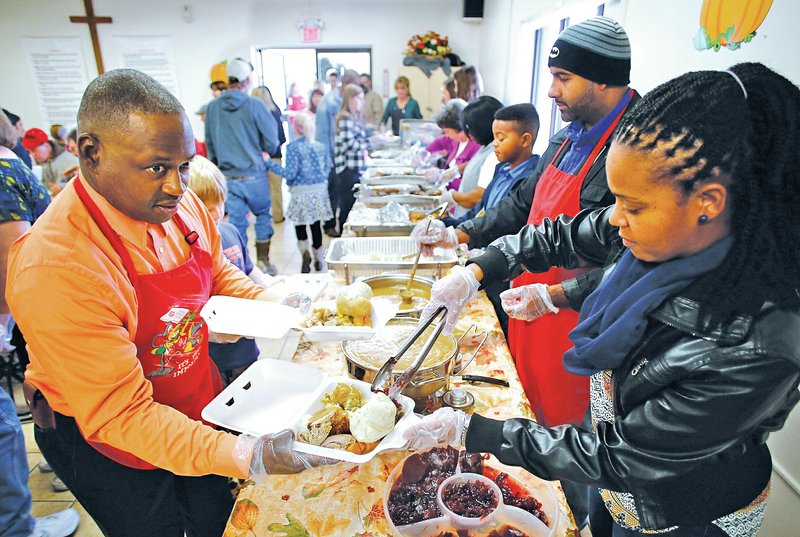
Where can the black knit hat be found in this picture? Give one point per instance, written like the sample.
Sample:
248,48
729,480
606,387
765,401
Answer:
596,49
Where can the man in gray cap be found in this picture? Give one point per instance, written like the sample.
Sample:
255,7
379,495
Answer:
239,129
590,64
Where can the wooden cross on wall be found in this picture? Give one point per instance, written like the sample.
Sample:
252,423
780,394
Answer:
93,21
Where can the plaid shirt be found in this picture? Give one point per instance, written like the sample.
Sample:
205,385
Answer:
350,146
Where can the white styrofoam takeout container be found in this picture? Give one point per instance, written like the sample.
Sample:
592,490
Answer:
272,395
260,319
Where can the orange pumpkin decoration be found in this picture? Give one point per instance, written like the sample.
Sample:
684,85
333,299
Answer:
729,23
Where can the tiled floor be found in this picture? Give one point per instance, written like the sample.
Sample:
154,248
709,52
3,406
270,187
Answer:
284,255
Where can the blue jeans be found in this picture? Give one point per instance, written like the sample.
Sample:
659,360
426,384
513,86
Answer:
250,195
15,497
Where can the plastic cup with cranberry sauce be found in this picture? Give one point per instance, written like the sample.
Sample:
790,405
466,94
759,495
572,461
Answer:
469,500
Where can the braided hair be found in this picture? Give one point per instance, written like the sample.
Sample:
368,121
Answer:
711,128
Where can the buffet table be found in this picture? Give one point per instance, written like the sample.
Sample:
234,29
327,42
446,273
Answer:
347,499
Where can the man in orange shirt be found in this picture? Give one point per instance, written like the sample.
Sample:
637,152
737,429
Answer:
108,285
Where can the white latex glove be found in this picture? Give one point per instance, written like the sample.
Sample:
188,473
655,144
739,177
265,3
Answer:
216,337
298,301
453,292
447,197
432,175
528,302
272,454
437,234
445,426
450,173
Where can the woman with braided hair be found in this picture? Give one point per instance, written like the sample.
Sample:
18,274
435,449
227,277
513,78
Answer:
692,338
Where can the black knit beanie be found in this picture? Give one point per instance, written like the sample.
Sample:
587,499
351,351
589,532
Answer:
596,49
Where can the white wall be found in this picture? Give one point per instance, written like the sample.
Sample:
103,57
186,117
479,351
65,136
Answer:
221,30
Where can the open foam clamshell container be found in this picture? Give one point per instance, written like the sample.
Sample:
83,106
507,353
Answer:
272,395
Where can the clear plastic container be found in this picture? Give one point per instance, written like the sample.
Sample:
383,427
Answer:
461,521
504,515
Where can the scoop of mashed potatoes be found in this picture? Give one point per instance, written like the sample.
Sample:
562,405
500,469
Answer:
374,420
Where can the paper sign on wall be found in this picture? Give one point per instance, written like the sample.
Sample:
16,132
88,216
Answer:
59,76
154,56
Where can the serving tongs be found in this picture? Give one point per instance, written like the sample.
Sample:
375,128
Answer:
381,382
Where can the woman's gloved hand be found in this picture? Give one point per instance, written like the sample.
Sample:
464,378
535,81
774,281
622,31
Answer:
298,301
432,175
272,454
528,302
445,426
453,292
434,235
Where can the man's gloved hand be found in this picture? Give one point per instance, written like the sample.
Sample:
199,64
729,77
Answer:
273,454
434,235
453,292
447,197
216,337
445,426
528,302
298,301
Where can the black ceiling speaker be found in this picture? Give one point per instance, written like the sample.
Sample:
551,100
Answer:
473,9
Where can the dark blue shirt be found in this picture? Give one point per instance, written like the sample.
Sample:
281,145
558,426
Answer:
583,141
244,352
504,178
23,154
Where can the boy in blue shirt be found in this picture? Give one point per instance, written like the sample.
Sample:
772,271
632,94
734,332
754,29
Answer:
231,354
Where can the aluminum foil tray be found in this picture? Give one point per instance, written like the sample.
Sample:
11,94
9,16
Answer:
394,180
351,257
403,199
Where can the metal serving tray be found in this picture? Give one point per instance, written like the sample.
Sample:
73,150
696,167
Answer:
380,230
351,257
387,180
402,199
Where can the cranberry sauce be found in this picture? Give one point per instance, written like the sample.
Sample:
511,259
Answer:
514,494
413,495
471,499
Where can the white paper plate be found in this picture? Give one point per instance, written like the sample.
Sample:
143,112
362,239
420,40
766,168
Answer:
382,311
272,395
249,318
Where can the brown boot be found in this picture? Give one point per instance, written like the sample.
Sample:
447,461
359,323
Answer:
319,258
262,258
305,266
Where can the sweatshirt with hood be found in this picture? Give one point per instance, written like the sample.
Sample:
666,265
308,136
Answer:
239,128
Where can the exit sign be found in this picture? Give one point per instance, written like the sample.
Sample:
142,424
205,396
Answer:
310,34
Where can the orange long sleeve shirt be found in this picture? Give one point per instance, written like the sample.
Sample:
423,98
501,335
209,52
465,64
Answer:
71,297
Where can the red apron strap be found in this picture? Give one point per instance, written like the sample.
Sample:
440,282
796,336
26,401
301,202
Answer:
112,236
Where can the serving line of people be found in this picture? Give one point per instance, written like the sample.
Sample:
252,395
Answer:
689,341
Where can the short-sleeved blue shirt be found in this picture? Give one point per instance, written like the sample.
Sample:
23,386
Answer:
22,196
244,352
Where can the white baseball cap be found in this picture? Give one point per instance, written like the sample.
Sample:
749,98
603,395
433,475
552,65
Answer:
239,69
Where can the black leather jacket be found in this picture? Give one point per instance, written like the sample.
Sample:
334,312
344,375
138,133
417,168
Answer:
694,401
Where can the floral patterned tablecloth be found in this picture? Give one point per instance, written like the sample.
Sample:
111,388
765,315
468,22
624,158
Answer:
347,499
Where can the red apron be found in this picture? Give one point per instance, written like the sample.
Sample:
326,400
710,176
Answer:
556,397
171,337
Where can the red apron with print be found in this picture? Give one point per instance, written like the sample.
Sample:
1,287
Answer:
556,397
171,337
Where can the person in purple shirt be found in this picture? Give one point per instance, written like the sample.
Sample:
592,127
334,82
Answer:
455,144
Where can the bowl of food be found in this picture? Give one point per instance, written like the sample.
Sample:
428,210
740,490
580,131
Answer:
469,500
365,357
390,287
419,502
